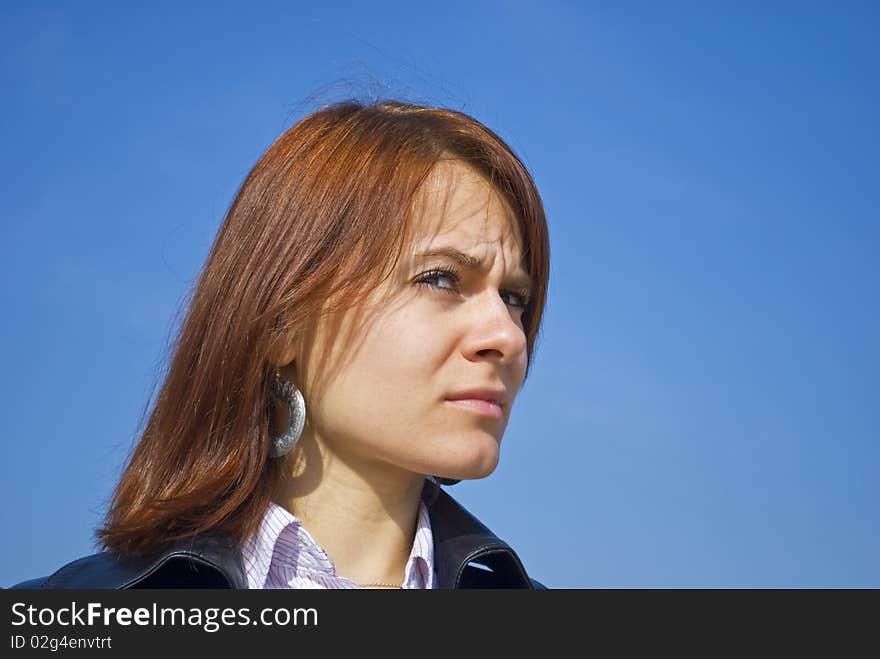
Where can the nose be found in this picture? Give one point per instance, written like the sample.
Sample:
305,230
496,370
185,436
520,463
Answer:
495,331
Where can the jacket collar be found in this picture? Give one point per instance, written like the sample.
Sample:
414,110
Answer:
460,539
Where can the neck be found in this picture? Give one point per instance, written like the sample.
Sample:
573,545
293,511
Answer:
363,515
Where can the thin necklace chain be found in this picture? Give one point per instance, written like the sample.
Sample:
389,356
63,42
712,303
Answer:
380,585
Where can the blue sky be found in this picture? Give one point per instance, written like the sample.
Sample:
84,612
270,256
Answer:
703,406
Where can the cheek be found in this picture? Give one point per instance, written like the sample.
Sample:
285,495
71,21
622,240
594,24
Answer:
387,399
402,355
520,370
517,376
396,362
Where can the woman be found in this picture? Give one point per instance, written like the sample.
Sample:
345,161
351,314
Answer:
358,334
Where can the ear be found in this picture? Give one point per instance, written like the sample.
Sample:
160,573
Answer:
284,352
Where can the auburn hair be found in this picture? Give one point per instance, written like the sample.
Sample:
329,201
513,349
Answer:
323,215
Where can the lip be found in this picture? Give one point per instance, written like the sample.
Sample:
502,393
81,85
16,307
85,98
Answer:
486,401
478,405
492,395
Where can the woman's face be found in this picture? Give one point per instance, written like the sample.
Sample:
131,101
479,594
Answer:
379,380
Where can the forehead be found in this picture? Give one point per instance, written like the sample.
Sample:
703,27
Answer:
458,207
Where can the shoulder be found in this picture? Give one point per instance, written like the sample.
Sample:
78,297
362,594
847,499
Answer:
208,561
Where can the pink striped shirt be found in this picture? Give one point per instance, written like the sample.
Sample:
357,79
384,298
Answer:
282,554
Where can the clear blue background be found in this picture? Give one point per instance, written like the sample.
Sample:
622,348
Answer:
704,405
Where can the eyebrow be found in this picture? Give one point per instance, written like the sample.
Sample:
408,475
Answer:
520,279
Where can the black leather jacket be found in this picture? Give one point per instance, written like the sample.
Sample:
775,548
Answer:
213,561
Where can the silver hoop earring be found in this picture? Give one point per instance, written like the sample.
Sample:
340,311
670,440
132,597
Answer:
287,393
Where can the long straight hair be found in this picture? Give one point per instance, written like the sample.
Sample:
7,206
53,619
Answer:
323,215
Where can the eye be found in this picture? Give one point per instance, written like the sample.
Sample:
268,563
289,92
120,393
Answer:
521,297
438,275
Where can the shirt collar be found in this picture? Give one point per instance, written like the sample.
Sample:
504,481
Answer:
283,543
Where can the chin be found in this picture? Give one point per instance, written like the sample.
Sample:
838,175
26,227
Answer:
470,465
